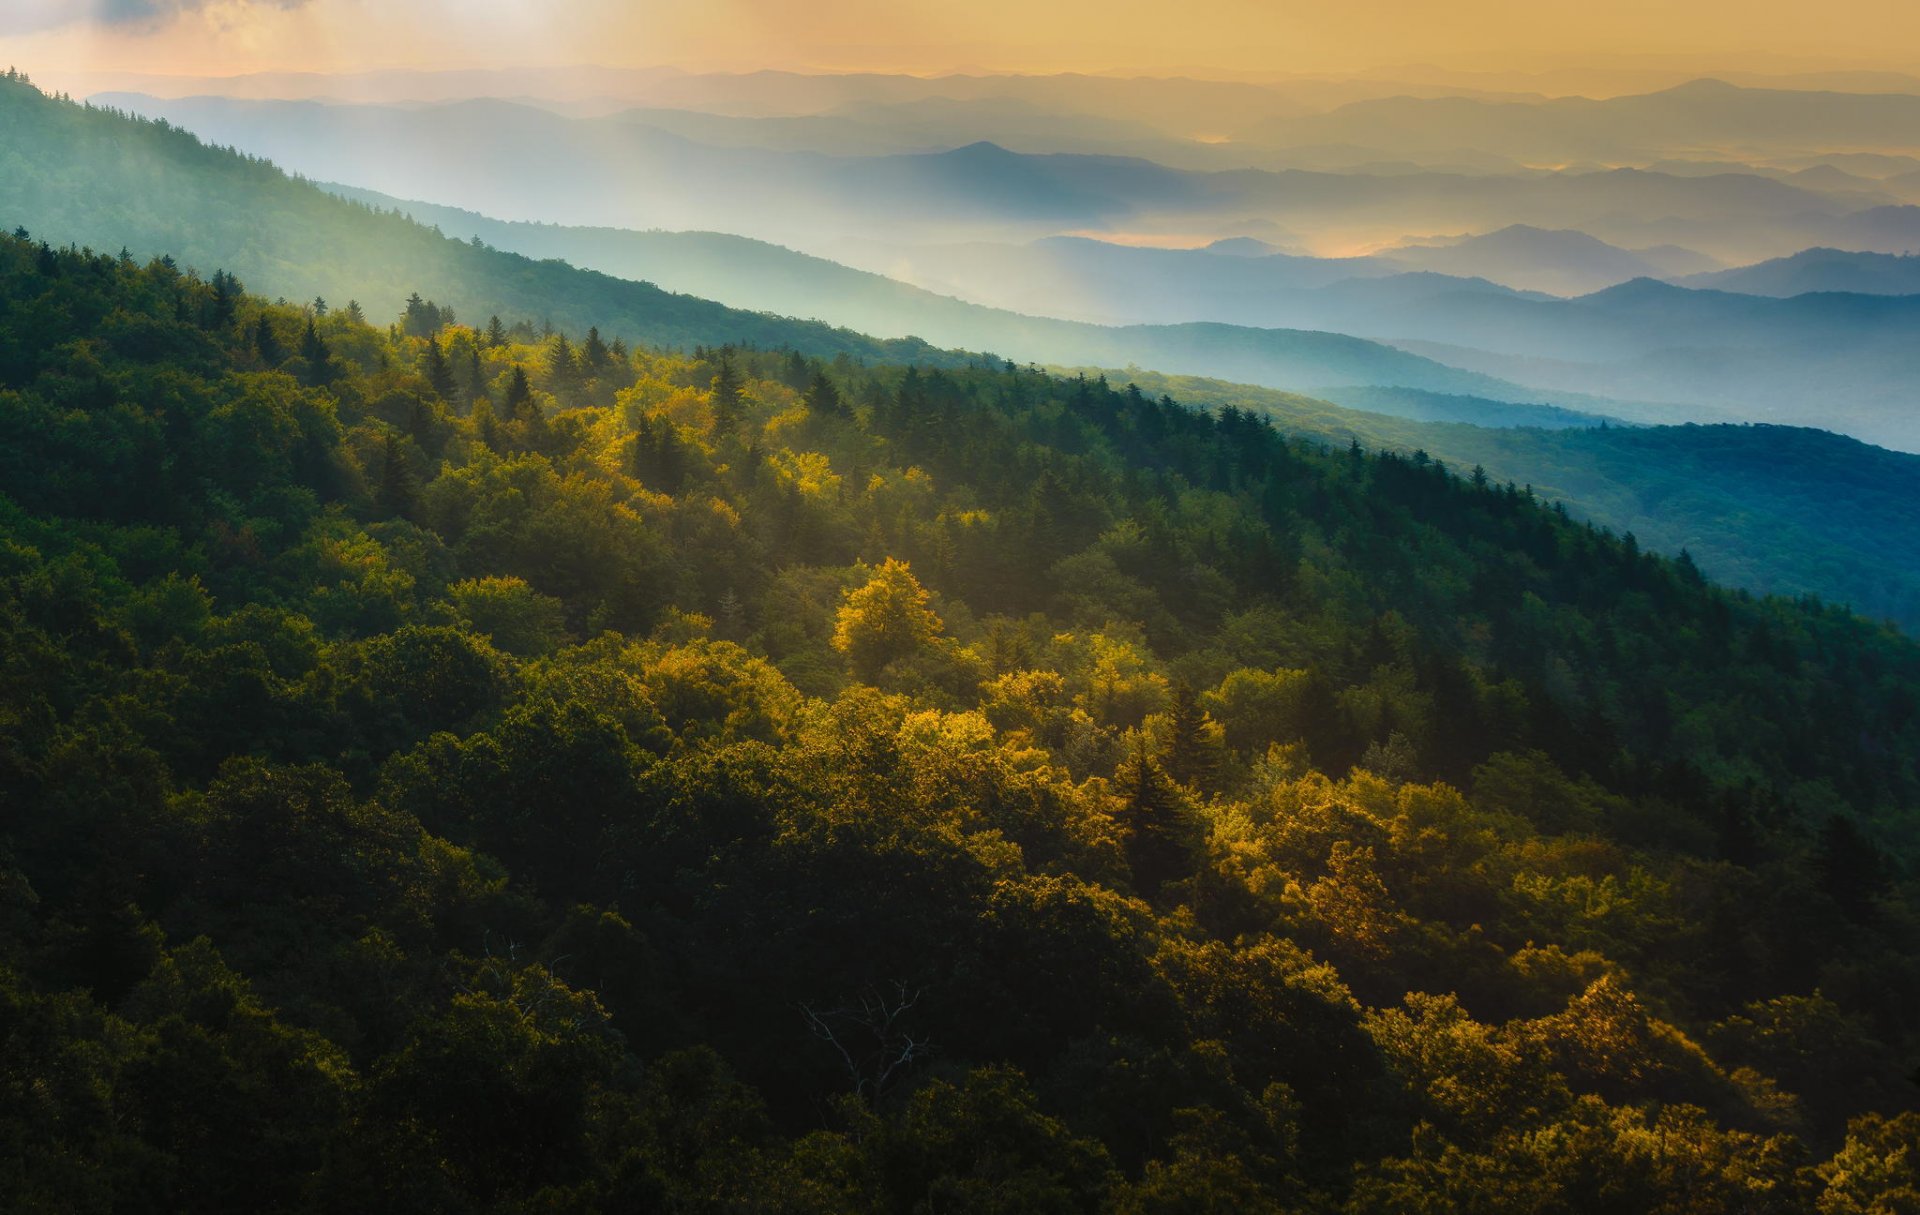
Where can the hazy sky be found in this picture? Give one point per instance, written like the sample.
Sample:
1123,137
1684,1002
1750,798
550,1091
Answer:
1229,36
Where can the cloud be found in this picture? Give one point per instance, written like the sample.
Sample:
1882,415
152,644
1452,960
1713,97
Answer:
35,16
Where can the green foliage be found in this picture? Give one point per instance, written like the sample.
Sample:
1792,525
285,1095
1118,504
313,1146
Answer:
993,792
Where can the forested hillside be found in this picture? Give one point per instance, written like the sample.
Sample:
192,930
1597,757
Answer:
447,769
1775,509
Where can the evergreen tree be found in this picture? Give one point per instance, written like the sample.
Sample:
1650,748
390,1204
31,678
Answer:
496,332
439,371
318,358
265,344
726,397
476,377
395,497
1189,755
226,298
519,403
823,397
1159,836
595,354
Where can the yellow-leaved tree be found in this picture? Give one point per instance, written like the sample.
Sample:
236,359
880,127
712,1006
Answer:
884,621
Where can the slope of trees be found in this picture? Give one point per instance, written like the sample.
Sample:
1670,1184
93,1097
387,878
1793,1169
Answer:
1774,509
443,772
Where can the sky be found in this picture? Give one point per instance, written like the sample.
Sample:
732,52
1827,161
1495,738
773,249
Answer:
222,37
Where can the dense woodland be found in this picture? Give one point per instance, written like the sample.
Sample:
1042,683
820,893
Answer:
1785,510
456,767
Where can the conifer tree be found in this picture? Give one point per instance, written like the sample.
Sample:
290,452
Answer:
439,371
394,498
1160,837
823,398
1189,751
519,403
226,298
496,332
265,344
562,367
594,354
726,397
476,377
314,350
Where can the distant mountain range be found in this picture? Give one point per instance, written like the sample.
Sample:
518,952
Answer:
1846,361
620,171
92,177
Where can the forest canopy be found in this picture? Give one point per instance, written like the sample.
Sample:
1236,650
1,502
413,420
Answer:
453,766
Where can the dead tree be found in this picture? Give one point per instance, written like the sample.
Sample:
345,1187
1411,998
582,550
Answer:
870,1037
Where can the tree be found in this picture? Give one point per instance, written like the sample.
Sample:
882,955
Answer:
519,405
439,371
595,354
265,344
226,298
823,397
395,497
318,358
886,620
514,616
1160,835
496,332
1191,745
726,397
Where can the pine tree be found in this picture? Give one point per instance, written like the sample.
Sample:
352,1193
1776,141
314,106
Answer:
595,353
318,358
226,298
265,344
439,371
1160,836
496,332
726,398
476,378
395,497
519,404
1189,751
823,398
355,313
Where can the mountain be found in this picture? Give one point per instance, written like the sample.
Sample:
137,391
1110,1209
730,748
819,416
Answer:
1878,229
460,772
94,177
613,172
1534,259
1837,361
1822,271
88,176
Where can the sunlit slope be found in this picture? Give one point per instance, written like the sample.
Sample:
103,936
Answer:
97,178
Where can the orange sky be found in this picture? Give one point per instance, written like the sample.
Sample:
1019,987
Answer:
1228,36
